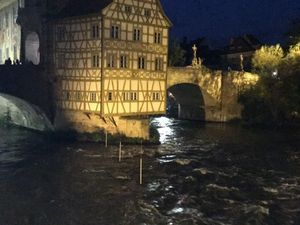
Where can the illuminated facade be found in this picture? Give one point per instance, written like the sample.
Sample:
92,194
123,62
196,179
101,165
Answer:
113,59
10,31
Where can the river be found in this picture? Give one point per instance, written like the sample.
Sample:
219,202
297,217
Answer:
201,174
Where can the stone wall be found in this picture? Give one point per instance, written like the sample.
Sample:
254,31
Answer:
133,127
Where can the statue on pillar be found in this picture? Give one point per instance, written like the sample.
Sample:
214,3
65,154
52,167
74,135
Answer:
242,62
196,62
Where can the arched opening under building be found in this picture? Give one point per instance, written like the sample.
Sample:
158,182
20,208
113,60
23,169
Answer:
32,48
185,101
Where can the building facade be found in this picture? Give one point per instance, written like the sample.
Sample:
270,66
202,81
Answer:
110,57
10,31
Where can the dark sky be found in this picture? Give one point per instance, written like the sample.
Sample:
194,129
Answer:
218,20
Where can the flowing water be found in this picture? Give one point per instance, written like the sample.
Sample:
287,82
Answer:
200,174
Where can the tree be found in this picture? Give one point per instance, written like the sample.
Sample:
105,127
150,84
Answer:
176,54
267,59
275,98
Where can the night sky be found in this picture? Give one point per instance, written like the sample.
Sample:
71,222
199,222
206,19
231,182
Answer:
218,20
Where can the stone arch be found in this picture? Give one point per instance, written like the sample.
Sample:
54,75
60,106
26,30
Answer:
23,114
187,101
32,48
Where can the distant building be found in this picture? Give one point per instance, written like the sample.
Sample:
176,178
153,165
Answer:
24,30
110,57
240,47
10,31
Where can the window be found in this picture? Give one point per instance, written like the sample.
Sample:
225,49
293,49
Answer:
136,34
78,95
93,97
157,37
123,61
95,31
1,56
61,61
60,35
15,52
114,32
68,95
155,96
110,96
158,64
133,96
147,12
6,19
111,61
141,63
95,60
127,9
21,3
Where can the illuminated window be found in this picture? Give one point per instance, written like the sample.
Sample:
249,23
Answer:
136,34
155,96
6,19
95,60
111,61
157,37
21,3
110,96
128,9
15,52
123,61
93,97
114,32
95,31
141,63
147,12
158,64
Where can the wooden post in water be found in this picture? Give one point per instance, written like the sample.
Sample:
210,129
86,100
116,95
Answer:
120,152
141,164
105,138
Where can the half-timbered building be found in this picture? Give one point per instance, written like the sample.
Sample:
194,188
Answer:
110,57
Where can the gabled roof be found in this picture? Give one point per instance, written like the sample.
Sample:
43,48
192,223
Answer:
83,7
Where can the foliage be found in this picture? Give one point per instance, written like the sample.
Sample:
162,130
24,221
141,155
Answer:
275,99
176,53
267,58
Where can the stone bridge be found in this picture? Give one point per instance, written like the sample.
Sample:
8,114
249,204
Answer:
204,94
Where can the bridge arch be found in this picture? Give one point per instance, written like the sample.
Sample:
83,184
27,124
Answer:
186,101
32,48
21,113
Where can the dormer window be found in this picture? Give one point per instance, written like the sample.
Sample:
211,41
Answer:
127,9
147,12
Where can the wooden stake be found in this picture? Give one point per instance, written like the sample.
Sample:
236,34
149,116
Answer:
141,164
106,139
120,152
141,170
